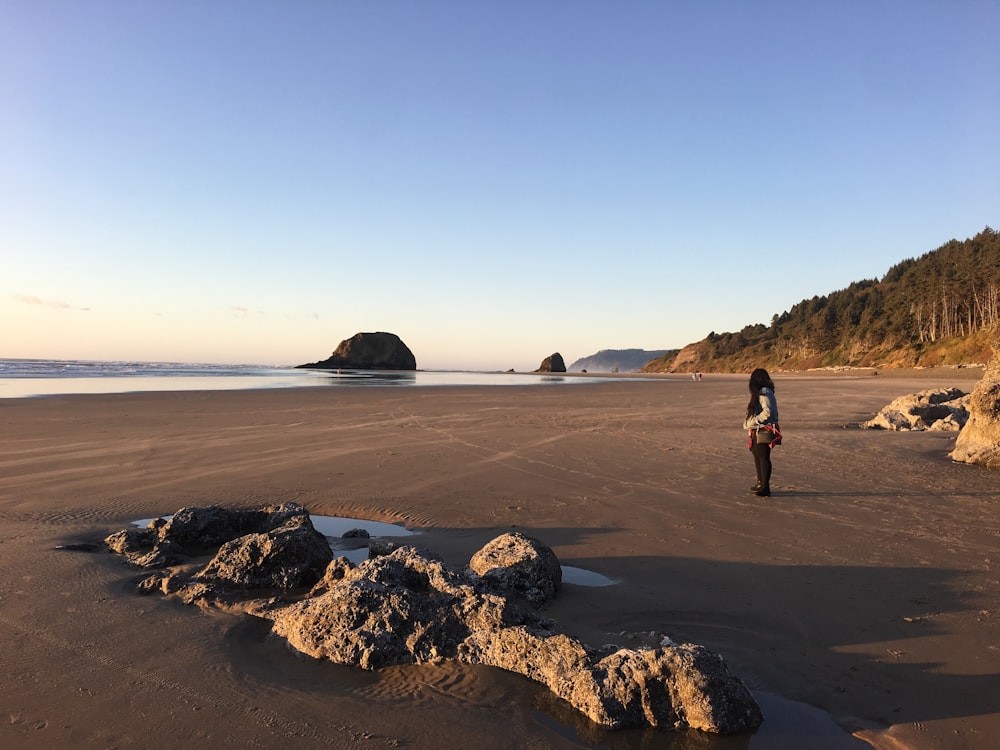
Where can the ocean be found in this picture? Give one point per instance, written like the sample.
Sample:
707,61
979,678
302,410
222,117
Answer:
21,378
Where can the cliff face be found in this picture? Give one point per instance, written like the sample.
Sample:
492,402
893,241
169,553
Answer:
979,440
368,351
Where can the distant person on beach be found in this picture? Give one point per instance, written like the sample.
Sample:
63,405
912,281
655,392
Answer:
762,425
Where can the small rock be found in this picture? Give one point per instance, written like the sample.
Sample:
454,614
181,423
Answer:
514,563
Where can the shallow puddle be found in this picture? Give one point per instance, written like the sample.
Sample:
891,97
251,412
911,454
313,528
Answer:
335,527
582,577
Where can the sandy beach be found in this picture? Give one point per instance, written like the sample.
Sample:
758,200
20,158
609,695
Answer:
867,587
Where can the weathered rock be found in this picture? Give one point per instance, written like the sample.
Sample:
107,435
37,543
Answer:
552,363
939,409
407,607
291,556
517,564
675,687
163,554
132,540
401,608
144,549
378,547
979,440
336,570
198,530
368,351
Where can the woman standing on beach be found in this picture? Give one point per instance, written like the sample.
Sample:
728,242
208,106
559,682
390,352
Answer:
762,425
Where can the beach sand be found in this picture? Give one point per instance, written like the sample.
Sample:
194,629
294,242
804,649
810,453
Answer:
867,586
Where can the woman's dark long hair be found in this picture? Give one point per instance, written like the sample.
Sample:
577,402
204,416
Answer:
758,379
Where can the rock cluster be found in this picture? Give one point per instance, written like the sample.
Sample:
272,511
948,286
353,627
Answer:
408,607
940,409
368,351
275,547
979,440
552,363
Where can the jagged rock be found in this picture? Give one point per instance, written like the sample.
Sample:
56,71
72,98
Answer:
131,541
939,409
979,440
368,351
674,687
401,608
163,554
291,556
144,549
515,563
207,528
198,530
336,570
408,607
552,363
952,422
377,547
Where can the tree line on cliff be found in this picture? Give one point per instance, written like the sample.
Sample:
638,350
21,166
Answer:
939,309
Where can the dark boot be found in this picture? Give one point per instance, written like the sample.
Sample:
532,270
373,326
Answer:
764,491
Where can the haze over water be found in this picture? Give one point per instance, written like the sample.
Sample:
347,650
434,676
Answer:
21,378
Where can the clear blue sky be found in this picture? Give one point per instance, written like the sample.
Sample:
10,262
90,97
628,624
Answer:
247,181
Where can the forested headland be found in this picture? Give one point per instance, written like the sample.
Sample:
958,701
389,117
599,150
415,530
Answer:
939,309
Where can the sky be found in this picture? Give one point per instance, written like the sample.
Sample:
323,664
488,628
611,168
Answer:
240,181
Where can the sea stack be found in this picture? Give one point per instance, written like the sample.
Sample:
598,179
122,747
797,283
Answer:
368,351
552,363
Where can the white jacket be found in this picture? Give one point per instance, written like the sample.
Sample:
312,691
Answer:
768,413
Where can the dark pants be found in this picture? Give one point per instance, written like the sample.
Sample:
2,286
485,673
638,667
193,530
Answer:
762,462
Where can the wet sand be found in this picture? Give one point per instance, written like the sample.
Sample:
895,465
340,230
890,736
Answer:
867,586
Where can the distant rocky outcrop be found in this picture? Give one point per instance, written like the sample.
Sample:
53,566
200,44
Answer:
368,351
407,607
938,409
617,360
552,363
979,440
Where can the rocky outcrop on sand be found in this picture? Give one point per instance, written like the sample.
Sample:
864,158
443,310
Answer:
552,363
407,607
368,351
272,548
939,409
979,440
